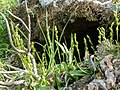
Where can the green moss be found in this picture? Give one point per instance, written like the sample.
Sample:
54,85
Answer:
6,4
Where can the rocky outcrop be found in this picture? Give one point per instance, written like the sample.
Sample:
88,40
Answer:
84,16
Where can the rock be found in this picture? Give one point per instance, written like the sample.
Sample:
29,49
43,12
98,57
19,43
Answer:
109,68
109,79
86,17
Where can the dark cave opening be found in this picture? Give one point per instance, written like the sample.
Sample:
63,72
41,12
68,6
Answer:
82,28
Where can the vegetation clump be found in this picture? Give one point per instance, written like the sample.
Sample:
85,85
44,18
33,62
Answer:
82,18
52,46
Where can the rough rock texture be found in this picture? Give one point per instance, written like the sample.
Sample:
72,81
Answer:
86,17
110,67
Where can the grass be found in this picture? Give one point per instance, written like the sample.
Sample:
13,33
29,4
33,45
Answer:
50,73
7,4
4,42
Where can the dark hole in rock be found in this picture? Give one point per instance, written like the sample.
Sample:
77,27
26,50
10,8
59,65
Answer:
82,28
